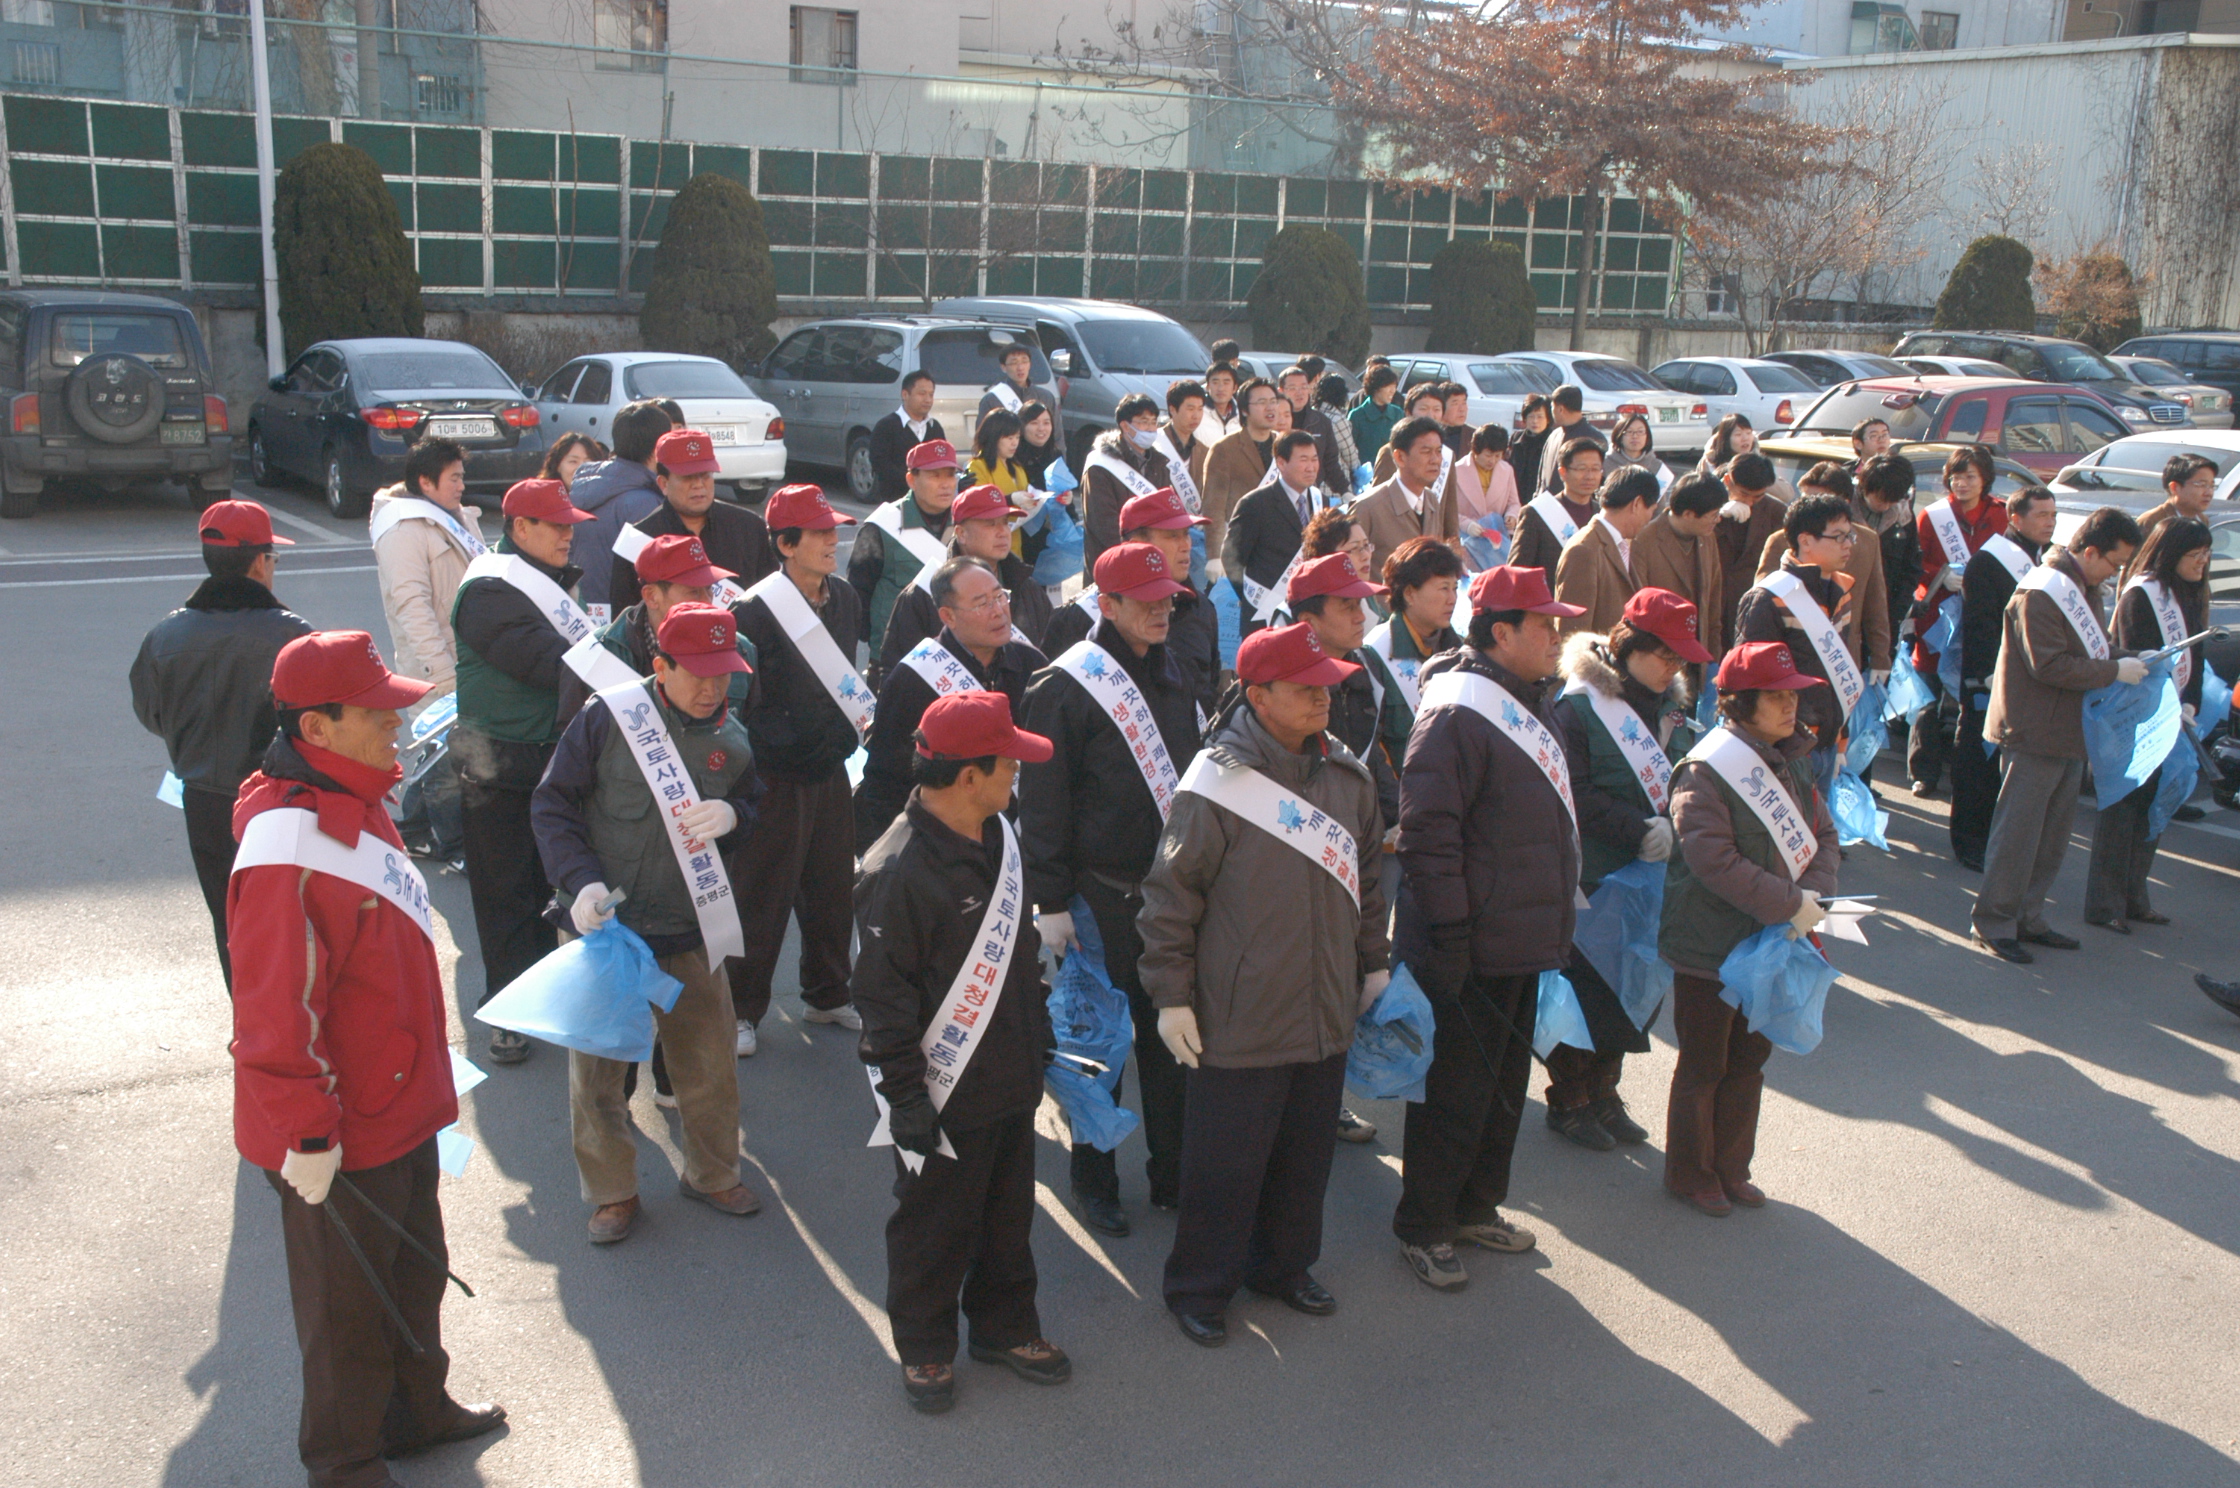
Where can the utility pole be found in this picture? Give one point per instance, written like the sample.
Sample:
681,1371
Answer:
260,81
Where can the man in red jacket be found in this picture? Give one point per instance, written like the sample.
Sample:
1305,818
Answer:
342,1063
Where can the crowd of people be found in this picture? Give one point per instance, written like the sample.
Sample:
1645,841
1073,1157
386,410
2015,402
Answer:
1250,806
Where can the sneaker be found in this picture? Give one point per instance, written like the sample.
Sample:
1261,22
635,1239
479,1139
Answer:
1498,1234
665,1099
1611,1112
930,1388
1436,1265
1579,1124
747,1040
508,1047
844,1016
1352,1128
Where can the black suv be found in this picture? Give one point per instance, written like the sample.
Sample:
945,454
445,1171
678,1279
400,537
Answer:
2051,359
114,388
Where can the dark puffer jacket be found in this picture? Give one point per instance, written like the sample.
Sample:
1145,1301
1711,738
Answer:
1614,809
203,681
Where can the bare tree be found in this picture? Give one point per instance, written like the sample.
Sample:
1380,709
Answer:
2014,190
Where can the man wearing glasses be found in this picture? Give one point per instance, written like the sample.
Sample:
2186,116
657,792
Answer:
979,527
1806,604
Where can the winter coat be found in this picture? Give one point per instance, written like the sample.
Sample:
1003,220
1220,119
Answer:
879,568
891,443
509,662
1193,641
734,538
1762,616
1391,517
799,733
616,493
1103,494
1740,545
1537,545
1265,532
1666,558
629,637
903,699
1725,880
419,565
1614,809
2044,671
1239,463
915,616
1868,635
1593,574
202,681
1985,587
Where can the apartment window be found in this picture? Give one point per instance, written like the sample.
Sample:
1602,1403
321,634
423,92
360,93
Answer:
1881,26
1723,295
27,12
438,95
639,27
37,64
1940,30
823,45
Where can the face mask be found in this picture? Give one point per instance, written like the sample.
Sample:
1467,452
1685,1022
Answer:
1735,511
1142,437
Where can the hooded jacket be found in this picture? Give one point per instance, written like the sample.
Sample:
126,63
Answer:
1103,495
203,681
1614,809
419,567
616,493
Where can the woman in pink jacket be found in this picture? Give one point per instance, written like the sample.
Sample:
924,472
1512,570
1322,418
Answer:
1486,498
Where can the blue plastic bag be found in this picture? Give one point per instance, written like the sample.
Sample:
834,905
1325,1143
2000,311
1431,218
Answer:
1858,819
1392,1042
1780,986
1707,706
1364,476
1060,558
2129,729
1869,730
1225,608
2181,771
1907,693
1944,639
2216,702
1560,1019
1058,476
595,994
1090,1018
1617,934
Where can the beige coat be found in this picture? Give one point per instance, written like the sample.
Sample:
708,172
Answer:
1666,558
1592,574
1868,633
2037,693
1233,467
1392,519
419,568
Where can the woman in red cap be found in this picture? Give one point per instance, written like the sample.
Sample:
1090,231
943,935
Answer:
1756,848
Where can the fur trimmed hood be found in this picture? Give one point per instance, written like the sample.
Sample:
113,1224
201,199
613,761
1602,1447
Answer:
1586,658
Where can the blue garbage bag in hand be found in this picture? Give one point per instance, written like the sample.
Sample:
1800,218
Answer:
2216,703
1858,819
1944,639
1707,707
1780,986
1228,612
1058,476
1617,934
1907,693
2129,729
1392,1042
1560,1019
1868,729
2181,771
1060,558
595,995
1090,1018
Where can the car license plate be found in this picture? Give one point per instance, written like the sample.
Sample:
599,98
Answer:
722,434
184,434
462,428
1668,415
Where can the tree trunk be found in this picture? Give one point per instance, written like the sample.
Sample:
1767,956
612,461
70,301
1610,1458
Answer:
369,58
1583,282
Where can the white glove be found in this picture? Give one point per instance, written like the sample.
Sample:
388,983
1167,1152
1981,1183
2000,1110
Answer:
709,820
1372,988
2130,669
1881,678
1392,838
1178,1030
1057,932
1808,916
1950,577
1735,511
586,913
1214,570
311,1174
1656,845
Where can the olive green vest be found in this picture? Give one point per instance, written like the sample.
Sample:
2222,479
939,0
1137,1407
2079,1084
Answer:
631,837
895,574
492,703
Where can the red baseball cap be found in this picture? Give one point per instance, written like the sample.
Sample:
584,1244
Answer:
1762,664
1135,570
801,506
1162,509
977,503
1332,573
975,725
1511,587
545,500
339,666
678,558
1670,619
1290,654
934,454
239,524
703,639
686,452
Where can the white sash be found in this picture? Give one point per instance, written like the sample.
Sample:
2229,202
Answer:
566,615
1651,770
2062,590
1273,600
1178,471
638,715
940,667
1446,471
2012,554
2172,619
1317,836
599,668
1552,513
1492,702
1403,672
953,1037
397,508
1944,521
1120,470
1086,602
921,544
630,542
1827,641
1741,767
817,647
1116,693
1008,396
291,835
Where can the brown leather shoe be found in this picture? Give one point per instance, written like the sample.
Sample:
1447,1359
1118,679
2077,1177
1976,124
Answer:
612,1222
739,1199
1747,1194
469,1422
1709,1201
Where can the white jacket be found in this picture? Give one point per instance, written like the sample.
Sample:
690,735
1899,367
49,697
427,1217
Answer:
420,566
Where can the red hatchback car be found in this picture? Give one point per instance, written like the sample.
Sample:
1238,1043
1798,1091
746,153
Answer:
2042,426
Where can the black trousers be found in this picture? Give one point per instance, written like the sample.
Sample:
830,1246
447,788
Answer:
210,841
1929,742
1975,781
798,862
364,1390
1256,1149
506,879
2115,886
960,1234
1158,1077
1455,1152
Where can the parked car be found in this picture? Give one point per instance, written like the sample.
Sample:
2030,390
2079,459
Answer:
1769,394
2209,406
1101,351
1794,454
2133,466
1936,366
749,437
112,388
2052,359
1498,385
345,413
2041,425
1270,364
1827,366
2209,356
834,379
1615,388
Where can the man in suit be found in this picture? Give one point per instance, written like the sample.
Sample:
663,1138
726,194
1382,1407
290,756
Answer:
1266,528
1239,463
1680,552
1413,502
1596,569
1553,518
894,436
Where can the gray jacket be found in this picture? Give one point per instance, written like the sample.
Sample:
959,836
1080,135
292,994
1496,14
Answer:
616,493
203,681
1265,945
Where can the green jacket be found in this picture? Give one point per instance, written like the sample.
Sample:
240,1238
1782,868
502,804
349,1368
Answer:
897,567
1613,804
509,659
1373,424
1396,720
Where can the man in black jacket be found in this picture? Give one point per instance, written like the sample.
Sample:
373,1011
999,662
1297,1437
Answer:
898,433
976,646
979,527
1193,631
1266,526
203,683
1986,585
684,466
956,1030
1092,816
